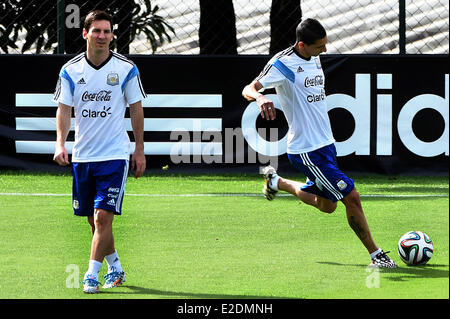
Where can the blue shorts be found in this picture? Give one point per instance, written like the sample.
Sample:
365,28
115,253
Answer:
98,185
324,177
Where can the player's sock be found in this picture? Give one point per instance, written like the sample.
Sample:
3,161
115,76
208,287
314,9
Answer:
94,268
273,183
113,262
376,252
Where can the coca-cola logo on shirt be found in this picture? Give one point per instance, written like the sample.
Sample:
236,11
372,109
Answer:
102,95
317,80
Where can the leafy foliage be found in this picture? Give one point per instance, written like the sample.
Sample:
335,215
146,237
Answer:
36,17
38,20
151,24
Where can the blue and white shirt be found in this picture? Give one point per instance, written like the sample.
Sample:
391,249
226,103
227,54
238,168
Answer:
99,95
300,87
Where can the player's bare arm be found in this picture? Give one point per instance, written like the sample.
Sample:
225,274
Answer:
138,161
251,93
63,122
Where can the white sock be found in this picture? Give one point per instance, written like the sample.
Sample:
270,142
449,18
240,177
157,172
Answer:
94,268
113,262
273,183
376,252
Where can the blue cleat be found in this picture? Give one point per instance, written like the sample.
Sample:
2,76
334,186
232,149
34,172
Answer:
114,279
90,284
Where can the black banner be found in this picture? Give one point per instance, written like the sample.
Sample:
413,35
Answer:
389,113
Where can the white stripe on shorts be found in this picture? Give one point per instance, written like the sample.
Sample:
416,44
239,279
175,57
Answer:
122,187
320,176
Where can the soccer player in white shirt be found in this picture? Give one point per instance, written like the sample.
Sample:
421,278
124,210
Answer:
297,76
99,84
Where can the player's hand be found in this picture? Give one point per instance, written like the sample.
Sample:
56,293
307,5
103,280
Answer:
61,156
138,162
267,108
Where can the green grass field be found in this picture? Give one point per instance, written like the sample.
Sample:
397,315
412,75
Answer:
213,236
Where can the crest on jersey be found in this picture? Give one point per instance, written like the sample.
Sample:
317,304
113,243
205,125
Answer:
342,185
112,78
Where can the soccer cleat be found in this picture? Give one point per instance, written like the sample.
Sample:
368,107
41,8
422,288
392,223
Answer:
90,284
114,279
268,173
381,260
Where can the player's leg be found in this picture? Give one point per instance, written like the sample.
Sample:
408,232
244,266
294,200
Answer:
92,223
339,186
103,239
83,190
102,247
330,182
274,183
358,222
295,188
111,179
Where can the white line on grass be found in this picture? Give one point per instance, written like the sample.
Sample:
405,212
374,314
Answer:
231,195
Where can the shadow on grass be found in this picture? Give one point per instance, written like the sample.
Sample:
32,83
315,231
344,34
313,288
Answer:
177,294
403,272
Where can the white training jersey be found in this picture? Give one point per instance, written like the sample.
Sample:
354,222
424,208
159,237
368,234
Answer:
99,95
300,87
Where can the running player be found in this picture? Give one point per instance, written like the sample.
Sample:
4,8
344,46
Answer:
99,84
297,76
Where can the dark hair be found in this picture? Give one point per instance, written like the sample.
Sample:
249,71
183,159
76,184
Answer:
97,15
309,31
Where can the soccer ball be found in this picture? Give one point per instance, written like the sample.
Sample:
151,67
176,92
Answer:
415,248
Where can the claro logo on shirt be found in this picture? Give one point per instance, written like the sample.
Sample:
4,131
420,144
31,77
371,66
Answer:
102,95
316,97
96,113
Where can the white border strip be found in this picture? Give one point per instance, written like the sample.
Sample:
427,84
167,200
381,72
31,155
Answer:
150,124
35,100
152,100
151,148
